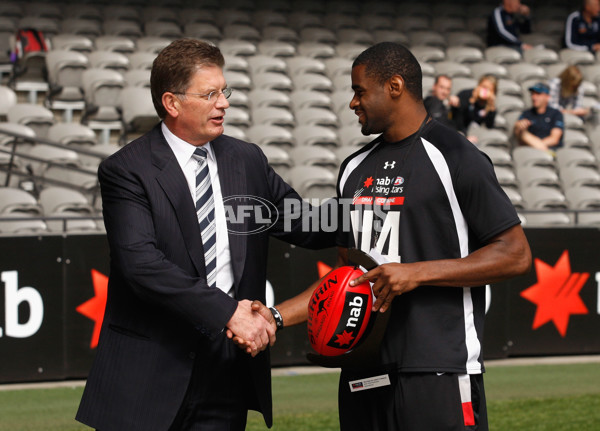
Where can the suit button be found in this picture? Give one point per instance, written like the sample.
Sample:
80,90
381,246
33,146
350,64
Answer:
192,355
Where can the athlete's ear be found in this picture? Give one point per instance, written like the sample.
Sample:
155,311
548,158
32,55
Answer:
396,85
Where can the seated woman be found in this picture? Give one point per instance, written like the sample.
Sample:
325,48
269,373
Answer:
477,105
566,92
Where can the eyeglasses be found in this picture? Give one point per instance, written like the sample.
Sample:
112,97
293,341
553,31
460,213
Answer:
213,95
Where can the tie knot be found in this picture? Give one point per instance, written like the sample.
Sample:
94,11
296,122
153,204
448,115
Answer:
200,154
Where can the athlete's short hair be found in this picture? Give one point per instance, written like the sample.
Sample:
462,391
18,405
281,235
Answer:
387,59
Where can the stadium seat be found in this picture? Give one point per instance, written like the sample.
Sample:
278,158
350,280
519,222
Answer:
269,18
140,60
138,113
506,176
203,30
18,201
158,13
312,82
314,156
83,11
466,39
428,54
279,33
448,24
237,116
301,99
390,35
238,81
266,63
234,63
8,98
571,56
273,115
521,72
121,44
498,156
108,60
502,55
409,24
153,43
548,41
318,34
276,48
489,137
515,197
588,218
241,32
530,176
316,50
583,197
316,116
120,27
541,197
237,47
272,81
300,65
506,103
279,160
349,50
488,68
529,156
64,78
72,134
47,26
59,199
22,226
72,42
547,219
355,36
350,135
7,139
313,182
88,28
310,135
266,135
575,176
452,69
464,54
121,12
259,98
34,116
567,157
540,56
575,139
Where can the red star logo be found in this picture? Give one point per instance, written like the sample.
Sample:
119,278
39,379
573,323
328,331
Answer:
345,338
94,308
368,182
556,293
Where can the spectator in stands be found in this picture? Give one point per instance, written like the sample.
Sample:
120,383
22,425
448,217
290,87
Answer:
507,22
541,126
477,106
566,92
440,103
582,29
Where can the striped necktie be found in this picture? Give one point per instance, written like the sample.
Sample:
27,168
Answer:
205,210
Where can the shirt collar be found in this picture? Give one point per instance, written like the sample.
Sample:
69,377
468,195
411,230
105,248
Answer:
183,150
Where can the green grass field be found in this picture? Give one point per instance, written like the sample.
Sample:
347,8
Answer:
524,398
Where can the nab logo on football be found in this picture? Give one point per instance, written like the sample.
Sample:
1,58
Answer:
338,313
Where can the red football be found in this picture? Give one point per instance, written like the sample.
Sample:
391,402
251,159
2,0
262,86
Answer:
338,313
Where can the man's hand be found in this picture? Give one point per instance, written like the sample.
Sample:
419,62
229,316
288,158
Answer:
521,126
390,280
250,328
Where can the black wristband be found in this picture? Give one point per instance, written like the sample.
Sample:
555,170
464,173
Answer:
277,317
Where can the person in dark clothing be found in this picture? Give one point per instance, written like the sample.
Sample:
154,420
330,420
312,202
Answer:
507,22
582,29
441,103
541,126
477,105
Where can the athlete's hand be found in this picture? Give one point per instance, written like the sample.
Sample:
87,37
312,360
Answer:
390,280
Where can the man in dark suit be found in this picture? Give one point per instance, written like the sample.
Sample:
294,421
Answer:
183,269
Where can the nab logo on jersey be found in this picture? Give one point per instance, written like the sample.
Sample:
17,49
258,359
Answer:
389,165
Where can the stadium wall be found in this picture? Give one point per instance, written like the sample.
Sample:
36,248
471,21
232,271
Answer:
53,291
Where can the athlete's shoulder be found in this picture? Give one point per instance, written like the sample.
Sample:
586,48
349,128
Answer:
367,148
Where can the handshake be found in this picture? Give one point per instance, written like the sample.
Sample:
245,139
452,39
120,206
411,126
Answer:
252,327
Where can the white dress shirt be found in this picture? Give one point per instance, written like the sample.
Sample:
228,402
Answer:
183,152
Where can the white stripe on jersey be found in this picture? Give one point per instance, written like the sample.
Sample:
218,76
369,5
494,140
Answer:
353,164
472,342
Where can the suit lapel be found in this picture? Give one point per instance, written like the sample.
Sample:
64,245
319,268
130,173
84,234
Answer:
173,183
232,178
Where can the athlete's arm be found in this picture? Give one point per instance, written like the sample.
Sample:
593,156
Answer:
506,255
295,310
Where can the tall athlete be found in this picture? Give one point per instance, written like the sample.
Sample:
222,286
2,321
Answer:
446,228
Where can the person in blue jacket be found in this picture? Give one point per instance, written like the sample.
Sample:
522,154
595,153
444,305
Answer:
582,28
507,22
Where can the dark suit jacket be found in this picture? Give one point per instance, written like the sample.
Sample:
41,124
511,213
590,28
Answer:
159,304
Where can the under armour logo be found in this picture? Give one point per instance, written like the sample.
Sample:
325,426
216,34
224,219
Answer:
389,165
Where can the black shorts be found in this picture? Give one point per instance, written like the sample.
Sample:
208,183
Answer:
390,401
